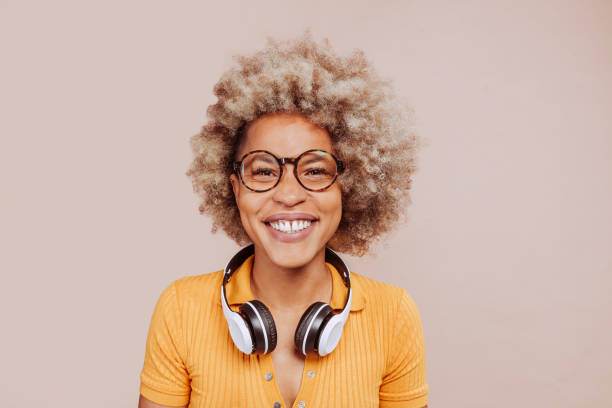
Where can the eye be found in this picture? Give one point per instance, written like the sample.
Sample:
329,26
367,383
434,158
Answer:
316,171
263,172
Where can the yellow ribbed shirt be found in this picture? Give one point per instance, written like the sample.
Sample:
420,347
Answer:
190,358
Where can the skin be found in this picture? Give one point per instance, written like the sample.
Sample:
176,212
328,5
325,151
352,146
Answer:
287,277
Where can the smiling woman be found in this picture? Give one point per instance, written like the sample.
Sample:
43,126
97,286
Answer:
305,154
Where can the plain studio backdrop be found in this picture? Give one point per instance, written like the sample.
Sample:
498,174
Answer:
507,248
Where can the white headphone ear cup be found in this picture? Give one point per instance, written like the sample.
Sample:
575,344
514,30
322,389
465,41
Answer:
309,327
238,328
263,329
331,333
330,336
241,335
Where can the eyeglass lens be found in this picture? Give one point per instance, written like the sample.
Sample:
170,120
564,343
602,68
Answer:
315,170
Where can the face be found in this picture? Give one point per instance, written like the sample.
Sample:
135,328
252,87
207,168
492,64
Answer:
288,135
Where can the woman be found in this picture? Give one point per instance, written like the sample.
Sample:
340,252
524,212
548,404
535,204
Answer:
305,153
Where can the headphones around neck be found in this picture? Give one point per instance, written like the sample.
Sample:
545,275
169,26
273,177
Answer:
253,329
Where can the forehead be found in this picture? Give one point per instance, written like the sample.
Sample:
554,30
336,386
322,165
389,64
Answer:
286,135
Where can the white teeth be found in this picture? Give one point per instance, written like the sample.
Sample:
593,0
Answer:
290,226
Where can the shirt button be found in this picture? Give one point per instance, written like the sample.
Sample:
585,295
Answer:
301,404
277,404
268,376
311,374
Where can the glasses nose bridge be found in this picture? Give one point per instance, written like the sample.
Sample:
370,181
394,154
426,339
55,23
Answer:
288,160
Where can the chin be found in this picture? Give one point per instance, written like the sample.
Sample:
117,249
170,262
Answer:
290,255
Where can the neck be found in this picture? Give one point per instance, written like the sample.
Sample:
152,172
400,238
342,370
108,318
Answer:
290,289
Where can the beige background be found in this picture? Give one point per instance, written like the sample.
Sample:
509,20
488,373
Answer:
507,252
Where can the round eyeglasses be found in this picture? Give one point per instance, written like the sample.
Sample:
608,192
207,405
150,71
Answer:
315,170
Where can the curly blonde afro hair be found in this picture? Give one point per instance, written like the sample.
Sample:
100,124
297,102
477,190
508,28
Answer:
369,129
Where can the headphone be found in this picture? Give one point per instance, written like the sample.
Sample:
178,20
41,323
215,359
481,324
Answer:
253,329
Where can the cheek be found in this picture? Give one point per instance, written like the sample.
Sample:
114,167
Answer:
334,205
248,206
247,218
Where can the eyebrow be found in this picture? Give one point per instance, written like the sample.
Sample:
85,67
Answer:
264,159
313,160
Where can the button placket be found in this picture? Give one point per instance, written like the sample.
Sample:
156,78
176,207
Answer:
307,385
271,389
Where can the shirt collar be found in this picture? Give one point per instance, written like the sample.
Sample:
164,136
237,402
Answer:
238,289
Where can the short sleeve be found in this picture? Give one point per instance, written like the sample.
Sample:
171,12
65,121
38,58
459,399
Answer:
164,379
404,384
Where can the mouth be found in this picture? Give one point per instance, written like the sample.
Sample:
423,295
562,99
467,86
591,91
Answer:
290,230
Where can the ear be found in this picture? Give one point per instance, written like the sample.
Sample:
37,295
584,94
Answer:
235,186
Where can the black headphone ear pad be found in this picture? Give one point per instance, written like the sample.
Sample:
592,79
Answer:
305,320
268,321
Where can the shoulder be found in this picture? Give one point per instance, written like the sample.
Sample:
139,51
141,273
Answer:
391,306
197,288
377,294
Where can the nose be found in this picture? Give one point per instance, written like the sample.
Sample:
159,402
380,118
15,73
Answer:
288,191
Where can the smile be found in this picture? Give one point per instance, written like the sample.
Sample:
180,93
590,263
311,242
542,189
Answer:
290,231
290,227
